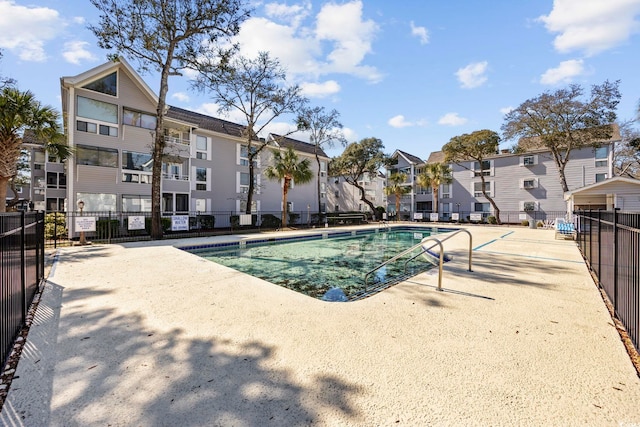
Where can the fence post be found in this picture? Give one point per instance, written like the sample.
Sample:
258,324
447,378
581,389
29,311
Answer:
599,242
55,230
23,268
615,259
109,228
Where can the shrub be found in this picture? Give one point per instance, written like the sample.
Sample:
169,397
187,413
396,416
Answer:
208,222
540,224
492,219
103,225
55,226
165,223
524,223
293,217
270,221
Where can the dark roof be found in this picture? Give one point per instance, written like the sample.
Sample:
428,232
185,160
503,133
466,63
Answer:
436,157
411,157
303,147
29,137
205,122
535,143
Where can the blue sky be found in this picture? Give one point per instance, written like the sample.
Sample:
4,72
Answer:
413,73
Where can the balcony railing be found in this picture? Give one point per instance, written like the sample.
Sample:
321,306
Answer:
176,140
175,177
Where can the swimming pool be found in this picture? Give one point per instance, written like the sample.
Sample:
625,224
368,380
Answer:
314,265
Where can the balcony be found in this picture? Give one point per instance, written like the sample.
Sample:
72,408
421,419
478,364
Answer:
176,140
175,177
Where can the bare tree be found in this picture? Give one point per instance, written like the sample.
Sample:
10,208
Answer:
325,130
257,88
167,36
626,156
562,122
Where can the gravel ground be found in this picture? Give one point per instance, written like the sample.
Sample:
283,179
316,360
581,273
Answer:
145,334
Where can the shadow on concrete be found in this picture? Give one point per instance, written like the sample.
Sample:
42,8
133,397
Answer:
103,367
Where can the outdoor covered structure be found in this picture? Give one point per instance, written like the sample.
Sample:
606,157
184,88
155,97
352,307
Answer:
617,192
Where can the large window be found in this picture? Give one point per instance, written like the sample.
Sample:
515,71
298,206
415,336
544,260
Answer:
107,84
486,168
446,191
56,180
137,161
482,207
97,202
96,156
244,182
201,179
138,119
244,155
601,177
202,145
602,157
477,189
136,203
97,110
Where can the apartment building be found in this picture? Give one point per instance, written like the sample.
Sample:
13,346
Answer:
526,182
345,197
110,121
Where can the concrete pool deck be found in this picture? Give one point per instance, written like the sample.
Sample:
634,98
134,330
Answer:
145,334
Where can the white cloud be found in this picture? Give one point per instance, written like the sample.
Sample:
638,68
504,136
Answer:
399,122
591,26
351,36
212,109
564,73
421,32
76,52
452,119
506,110
181,96
473,75
337,43
25,30
320,90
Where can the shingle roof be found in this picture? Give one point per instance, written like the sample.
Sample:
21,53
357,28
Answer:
411,157
303,147
535,143
205,122
436,157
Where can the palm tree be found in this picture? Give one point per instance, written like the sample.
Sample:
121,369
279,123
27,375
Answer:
287,167
434,175
20,111
396,188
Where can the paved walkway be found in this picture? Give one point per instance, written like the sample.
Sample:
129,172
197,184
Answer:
144,334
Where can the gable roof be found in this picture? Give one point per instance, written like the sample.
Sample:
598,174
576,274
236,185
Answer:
108,68
436,157
303,147
408,157
605,183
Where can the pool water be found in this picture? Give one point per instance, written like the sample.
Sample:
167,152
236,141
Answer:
314,266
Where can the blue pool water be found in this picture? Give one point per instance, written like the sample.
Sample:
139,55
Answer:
314,266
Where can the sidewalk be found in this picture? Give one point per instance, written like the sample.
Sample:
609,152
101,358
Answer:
144,334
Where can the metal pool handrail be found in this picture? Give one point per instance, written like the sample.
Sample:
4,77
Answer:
420,245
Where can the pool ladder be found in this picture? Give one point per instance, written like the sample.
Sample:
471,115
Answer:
424,250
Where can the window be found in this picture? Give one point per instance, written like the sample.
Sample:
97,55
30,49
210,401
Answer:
244,156
528,160
323,190
107,84
89,127
97,202
244,182
136,203
446,191
601,177
528,184
486,168
182,203
96,156
38,156
602,157
482,207
137,161
201,147
323,169
201,179
173,171
54,204
56,180
529,206
138,119
243,206
97,110
477,189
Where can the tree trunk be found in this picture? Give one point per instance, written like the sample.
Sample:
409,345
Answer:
364,199
435,199
247,210
285,191
318,189
3,193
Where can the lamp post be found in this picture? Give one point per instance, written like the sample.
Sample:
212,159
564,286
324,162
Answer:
309,215
83,240
458,210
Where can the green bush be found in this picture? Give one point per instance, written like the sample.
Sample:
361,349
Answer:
540,224
55,226
293,218
270,221
165,223
492,219
208,222
524,223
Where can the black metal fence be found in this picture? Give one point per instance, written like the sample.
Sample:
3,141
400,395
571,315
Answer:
21,272
65,228
506,217
610,242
